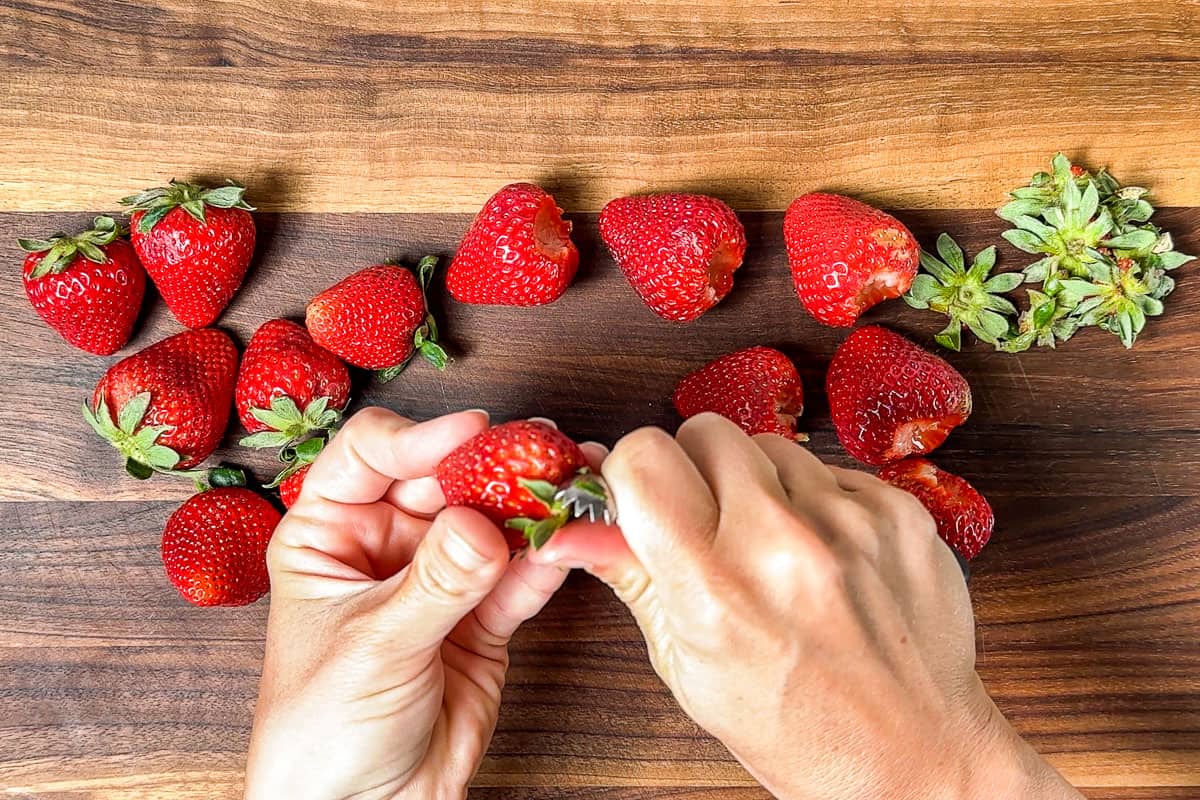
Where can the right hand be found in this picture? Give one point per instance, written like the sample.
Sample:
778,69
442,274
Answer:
807,616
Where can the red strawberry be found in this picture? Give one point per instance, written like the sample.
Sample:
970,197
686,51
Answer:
196,243
214,547
88,287
890,399
511,473
289,487
378,319
758,388
165,408
678,251
846,256
964,518
517,252
288,386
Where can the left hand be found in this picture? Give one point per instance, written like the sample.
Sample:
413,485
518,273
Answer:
387,642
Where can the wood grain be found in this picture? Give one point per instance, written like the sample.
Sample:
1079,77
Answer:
1088,599
174,33
431,136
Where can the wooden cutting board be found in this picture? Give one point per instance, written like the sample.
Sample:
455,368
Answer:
367,131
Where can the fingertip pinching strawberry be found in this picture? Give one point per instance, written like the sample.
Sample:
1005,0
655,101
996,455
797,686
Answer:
526,476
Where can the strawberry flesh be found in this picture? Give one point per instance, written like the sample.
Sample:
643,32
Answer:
964,517
890,398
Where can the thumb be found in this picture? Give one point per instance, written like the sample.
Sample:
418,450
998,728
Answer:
460,560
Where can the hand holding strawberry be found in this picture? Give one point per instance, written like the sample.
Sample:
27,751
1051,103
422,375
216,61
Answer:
196,243
88,287
389,628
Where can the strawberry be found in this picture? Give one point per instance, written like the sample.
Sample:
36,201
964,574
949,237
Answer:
678,251
196,243
289,487
214,547
378,319
964,518
165,407
846,256
512,473
890,399
88,287
758,388
517,252
288,386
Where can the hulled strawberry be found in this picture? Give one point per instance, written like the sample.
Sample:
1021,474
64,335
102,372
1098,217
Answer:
214,547
890,399
963,516
378,319
288,386
196,243
758,388
846,256
165,407
517,252
88,287
513,474
678,251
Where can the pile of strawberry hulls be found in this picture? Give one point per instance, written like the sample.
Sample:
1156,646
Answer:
165,408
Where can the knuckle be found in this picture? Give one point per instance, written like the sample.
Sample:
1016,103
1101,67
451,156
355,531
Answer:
439,579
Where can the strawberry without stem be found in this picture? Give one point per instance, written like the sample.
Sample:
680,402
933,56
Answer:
517,252
88,287
288,386
165,408
196,243
511,473
678,251
378,319
890,399
846,256
214,547
963,516
758,388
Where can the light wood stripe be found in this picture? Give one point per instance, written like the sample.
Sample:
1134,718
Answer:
175,33
431,137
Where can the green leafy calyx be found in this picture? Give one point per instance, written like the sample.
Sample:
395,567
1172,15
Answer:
137,443
61,250
558,512
970,296
425,337
289,424
191,197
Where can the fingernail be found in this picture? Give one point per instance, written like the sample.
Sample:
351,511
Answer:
602,447
462,553
483,411
544,421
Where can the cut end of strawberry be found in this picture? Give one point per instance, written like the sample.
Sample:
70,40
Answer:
788,409
552,233
884,284
922,436
725,261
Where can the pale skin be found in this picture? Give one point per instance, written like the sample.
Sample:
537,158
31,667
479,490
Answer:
806,616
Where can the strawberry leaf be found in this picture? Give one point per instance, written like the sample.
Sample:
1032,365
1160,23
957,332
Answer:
133,412
541,490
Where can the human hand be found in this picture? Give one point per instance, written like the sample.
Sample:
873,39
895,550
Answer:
807,616
390,619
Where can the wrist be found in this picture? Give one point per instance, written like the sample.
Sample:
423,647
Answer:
1007,766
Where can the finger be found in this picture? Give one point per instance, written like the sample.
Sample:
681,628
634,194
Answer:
422,497
523,591
457,564
545,421
602,551
856,480
377,447
802,474
729,461
667,514
595,453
